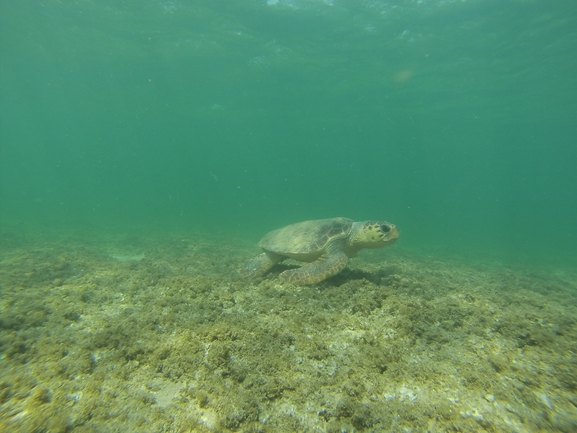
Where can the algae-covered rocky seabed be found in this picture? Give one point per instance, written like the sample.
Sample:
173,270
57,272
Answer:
137,333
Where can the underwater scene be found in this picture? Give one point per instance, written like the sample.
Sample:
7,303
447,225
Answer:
288,216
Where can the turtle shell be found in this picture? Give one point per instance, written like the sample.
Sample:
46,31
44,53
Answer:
307,237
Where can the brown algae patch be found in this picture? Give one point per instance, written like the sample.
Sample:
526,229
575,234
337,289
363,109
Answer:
175,341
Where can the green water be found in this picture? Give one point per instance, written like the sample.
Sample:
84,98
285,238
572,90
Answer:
456,120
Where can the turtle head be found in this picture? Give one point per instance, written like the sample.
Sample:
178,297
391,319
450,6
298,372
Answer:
374,234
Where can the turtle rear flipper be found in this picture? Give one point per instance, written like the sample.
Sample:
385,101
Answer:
260,265
326,266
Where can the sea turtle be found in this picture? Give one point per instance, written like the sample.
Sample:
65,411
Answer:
325,244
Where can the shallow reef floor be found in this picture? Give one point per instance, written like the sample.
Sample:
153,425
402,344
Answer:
147,334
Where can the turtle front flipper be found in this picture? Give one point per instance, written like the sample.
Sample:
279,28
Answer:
259,265
326,266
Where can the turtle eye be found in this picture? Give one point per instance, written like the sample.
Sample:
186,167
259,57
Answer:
385,228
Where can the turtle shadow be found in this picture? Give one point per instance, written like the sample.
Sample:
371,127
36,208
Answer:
378,277
347,275
281,267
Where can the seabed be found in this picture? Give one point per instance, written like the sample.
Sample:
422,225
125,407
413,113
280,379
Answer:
141,334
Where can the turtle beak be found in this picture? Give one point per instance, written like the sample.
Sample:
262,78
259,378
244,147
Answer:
391,235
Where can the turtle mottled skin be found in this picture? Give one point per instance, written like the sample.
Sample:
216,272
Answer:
325,245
